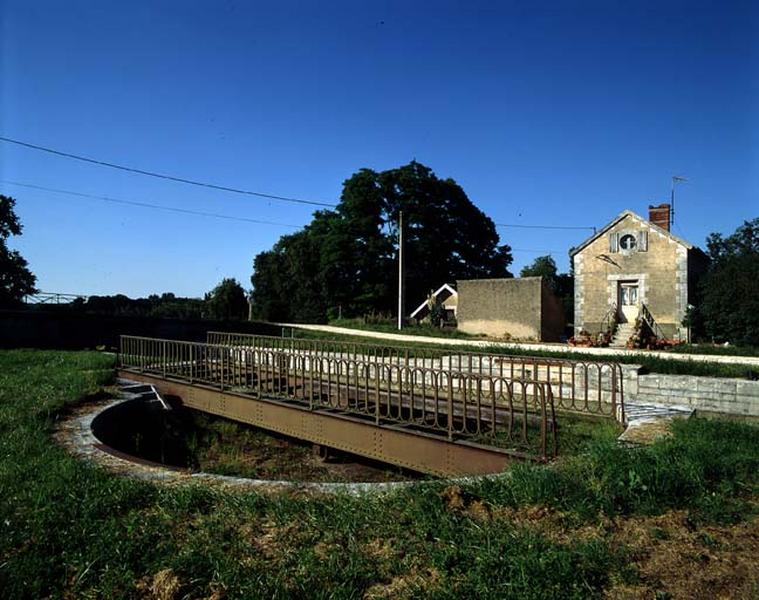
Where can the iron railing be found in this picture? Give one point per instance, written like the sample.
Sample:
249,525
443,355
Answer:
649,320
610,320
515,415
589,387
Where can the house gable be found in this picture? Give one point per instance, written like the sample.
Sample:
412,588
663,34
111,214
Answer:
446,294
636,221
631,251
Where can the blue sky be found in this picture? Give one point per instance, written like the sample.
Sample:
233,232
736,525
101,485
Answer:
553,113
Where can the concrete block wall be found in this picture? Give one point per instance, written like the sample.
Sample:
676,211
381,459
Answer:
722,395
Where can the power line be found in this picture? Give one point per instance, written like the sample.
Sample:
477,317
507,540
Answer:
147,205
544,226
227,188
537,251
212,186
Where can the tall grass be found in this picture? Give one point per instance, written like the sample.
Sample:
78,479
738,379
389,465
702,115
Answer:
70,529
391,326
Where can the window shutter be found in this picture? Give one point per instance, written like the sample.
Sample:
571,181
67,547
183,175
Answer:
643,241
613,242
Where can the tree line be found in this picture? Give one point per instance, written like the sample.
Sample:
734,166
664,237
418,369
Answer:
727,306
345,261
228,301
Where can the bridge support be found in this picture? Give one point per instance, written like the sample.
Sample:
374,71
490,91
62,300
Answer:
393,444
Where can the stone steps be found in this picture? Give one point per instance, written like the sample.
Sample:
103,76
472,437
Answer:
623,333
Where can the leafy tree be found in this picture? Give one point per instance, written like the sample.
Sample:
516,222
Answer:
437,310
16,280
446,237
542,266
347,257
166,305
744,242
729,305
227,301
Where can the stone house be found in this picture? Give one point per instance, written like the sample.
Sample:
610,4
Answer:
523,308
635,267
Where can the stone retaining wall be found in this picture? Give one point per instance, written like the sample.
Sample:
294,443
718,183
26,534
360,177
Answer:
712,394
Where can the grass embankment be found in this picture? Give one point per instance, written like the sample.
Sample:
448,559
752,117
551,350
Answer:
673,520
422,329
650,364
427,330
711,349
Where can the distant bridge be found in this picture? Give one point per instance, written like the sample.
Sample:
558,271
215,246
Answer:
52,298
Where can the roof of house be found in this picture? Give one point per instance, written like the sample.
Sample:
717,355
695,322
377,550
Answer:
622,215
444,287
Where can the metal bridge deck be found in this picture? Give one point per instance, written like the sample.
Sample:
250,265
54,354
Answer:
391,443
442,421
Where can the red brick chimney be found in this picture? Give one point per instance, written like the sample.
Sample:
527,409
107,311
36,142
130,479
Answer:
659,215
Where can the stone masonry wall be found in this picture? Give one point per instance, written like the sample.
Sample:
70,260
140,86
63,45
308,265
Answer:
712,394
661,272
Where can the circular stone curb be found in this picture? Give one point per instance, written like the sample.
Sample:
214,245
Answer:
74,433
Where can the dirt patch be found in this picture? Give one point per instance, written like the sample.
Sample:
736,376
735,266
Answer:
269,540
409,585
379,549
648,432
676,559
164,585
460,501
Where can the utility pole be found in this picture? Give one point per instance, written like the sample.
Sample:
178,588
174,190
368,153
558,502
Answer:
400,271
675,179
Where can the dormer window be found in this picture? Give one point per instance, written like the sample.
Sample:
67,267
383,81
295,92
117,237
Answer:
628,242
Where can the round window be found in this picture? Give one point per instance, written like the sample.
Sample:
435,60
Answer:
628,242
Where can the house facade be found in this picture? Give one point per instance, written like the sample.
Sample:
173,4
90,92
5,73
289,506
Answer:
634,265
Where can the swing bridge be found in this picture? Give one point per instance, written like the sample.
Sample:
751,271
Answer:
429,410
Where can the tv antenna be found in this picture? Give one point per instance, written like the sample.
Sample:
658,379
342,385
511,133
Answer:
675,180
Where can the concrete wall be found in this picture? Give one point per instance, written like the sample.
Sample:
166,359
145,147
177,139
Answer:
661,272
522,308
553,321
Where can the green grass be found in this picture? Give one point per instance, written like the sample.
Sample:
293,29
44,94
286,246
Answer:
422,329
650,364
715,350
70,529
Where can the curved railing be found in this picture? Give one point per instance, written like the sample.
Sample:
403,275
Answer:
585,386
490,409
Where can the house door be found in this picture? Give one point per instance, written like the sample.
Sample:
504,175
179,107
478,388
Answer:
628,301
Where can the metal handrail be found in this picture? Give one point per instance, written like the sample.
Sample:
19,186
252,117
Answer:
487,409
609,322
648,318
588,387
